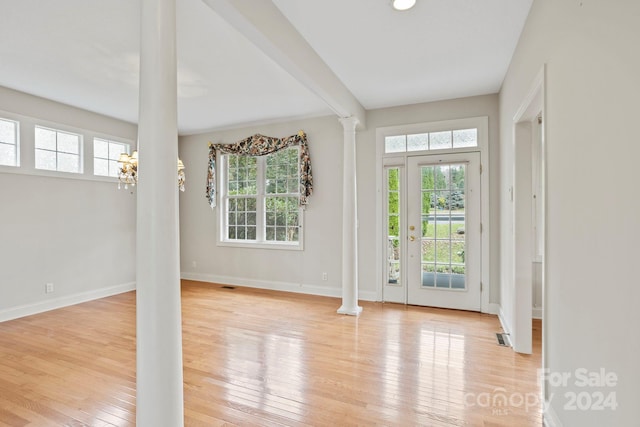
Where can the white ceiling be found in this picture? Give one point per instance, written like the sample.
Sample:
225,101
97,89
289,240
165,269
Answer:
85,53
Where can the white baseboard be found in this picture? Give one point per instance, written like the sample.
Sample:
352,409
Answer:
536,312
367,296
506,327
301,288
494,308
549,417
52,304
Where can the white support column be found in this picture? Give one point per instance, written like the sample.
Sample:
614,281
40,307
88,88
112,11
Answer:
349,221
159,401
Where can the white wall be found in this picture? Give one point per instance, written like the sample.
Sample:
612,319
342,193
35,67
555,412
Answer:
486,105
299,271
593,74
77,234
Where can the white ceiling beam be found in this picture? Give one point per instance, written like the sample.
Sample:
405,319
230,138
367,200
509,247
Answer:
262,23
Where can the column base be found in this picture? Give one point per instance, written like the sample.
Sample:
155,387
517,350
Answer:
350,311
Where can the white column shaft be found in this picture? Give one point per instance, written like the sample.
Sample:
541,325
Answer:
159,399
349,222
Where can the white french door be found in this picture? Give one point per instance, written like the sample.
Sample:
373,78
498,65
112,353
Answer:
442,229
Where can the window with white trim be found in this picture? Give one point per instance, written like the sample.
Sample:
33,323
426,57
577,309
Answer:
261,199
9,143
105,156
430,141
57,150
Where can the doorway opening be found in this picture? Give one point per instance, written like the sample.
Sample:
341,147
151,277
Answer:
528,216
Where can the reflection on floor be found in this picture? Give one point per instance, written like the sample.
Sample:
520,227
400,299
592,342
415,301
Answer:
258,358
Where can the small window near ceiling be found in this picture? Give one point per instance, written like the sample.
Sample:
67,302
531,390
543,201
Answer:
105,156
418,142
395,144
9,143
431,141
465,138
58,150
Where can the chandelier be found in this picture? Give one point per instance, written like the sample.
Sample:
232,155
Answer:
128,172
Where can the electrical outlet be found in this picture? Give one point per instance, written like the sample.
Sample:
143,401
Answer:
325,277
48,288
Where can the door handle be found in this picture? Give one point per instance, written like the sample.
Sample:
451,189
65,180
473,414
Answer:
412,238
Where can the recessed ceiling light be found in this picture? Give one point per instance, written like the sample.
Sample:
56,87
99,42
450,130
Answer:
403,4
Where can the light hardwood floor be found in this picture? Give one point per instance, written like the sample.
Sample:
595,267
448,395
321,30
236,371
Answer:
263,358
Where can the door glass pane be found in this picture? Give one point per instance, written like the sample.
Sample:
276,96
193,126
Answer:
443,222
429,275
442,180
393,226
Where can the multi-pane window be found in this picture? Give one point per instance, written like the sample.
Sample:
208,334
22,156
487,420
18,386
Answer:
393,226
443,225
105,156
428,141
261,198
282,196
58,150
242,197
9,147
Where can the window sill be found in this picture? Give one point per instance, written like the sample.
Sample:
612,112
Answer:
262,245
83,176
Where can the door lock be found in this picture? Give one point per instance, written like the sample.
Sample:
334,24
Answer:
411,227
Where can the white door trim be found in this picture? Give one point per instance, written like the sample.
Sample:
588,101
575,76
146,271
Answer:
521,324
482,123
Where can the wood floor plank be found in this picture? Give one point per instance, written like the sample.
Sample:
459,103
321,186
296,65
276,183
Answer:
255,357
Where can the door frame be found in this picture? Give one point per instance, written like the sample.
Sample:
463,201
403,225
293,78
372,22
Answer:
482,124
532,105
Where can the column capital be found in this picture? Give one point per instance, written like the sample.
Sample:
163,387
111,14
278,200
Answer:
349,123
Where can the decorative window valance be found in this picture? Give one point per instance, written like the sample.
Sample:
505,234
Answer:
260,145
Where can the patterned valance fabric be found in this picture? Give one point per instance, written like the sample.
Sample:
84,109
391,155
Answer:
260,145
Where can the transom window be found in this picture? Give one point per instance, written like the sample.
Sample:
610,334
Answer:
58,150
260,198
429,141
9,147
105,156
